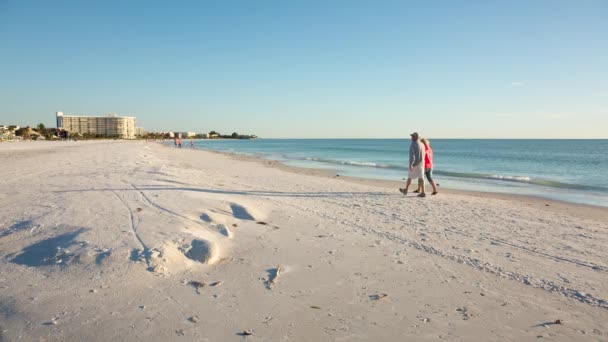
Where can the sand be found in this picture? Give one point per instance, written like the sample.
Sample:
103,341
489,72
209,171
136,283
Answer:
128,240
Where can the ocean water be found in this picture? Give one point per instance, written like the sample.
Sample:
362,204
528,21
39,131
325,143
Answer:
568,170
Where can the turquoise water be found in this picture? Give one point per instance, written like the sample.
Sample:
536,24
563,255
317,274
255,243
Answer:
569,170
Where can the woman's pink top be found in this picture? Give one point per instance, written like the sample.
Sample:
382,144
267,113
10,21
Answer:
428,157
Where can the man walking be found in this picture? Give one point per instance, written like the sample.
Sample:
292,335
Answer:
416,165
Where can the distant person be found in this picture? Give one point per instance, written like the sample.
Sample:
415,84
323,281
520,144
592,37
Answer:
179,143
175,142
428,164
191,143
416,165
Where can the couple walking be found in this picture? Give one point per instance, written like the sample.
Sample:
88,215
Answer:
421,164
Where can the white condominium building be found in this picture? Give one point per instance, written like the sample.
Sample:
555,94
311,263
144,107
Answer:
110,126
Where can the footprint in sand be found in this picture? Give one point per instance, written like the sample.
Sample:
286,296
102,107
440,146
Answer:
241,212
176,256
205,217
222,229
203,251
237,211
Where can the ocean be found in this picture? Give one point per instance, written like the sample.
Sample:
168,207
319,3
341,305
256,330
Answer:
567,170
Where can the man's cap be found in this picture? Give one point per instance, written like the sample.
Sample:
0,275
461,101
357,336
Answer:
415,134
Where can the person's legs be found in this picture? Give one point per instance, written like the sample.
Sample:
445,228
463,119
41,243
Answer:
407,185
421,187
418,189
434,187
429,176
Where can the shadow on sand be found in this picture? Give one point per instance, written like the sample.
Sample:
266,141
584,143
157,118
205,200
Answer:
248,193
48,251
21,225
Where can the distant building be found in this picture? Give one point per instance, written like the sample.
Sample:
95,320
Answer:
4,132
140,131
188,134
8,132
110,126
10,128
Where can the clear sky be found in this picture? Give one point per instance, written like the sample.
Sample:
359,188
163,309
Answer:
363,69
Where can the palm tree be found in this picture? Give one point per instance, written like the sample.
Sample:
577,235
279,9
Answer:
43,131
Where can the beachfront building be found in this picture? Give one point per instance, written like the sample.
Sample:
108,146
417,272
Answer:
9,129
140,132
4,132
110,126
8,132
188,134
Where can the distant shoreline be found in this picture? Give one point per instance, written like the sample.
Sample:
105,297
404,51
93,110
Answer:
496,166
541,203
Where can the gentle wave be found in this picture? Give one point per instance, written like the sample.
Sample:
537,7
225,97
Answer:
519,179
480,176
354,163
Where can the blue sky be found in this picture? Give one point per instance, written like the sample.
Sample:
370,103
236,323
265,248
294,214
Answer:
465,69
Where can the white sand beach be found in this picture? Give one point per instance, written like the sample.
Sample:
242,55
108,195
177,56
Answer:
130,241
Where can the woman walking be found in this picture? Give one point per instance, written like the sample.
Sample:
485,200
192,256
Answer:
428,164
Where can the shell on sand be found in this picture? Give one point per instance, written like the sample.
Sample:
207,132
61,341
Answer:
197,285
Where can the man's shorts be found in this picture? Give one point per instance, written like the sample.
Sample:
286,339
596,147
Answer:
417,171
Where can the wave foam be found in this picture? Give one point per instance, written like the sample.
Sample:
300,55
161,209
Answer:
522,179
360,163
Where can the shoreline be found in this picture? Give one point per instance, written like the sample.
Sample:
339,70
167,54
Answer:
488,167
581,210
